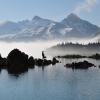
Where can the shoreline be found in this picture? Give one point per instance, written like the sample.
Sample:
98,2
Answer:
77,56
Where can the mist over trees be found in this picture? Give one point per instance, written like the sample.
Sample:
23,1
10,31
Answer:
77,45
70,48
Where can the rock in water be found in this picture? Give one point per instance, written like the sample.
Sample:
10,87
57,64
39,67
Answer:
17,61
79,65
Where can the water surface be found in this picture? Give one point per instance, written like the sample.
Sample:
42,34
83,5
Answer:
49,83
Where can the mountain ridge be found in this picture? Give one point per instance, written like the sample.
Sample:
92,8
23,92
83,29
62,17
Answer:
83,26
41,28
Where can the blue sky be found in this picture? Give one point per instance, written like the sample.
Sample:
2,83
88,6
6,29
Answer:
17,10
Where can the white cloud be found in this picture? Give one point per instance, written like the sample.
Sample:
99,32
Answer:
85,6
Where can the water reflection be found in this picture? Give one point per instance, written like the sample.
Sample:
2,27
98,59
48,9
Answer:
63,62
17,74
45,83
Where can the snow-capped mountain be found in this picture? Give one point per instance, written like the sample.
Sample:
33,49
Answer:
85,28
9,27
40,28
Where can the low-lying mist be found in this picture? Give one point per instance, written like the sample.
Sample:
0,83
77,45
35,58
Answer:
35,48
31,48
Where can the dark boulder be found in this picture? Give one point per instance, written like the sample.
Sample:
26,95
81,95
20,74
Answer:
31,62
3,63
79,65
39,62
0,57
45,62
42,62
17,61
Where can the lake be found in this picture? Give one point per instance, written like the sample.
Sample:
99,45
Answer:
49,83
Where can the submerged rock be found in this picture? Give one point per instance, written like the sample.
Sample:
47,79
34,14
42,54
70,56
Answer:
79,65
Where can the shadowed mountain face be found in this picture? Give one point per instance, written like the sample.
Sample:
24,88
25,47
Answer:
44,29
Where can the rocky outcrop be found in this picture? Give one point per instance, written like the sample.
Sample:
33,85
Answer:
31,62
45,62
18,62
79,65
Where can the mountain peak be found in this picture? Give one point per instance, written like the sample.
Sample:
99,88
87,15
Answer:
36,18
82,26
41,28
72,16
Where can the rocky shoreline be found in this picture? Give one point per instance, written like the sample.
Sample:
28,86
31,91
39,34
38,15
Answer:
18,62
94,56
